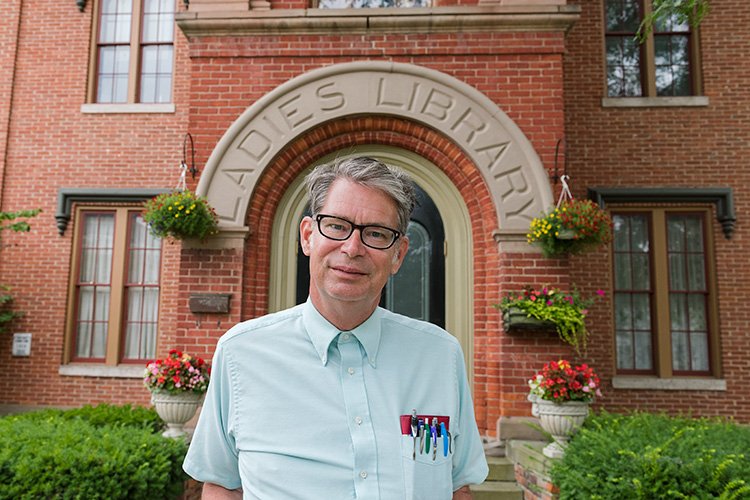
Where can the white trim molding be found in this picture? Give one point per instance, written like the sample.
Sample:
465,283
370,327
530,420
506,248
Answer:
670,384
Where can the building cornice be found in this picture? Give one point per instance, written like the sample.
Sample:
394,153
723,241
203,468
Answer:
470,19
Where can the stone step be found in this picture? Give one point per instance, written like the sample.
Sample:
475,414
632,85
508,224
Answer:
497,490
501,469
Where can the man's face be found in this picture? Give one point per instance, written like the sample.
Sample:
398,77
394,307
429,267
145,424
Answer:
349,271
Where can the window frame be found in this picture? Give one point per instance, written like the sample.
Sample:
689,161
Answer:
660,311
118,301
134,69
648,61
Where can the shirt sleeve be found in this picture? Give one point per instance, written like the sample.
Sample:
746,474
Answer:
213,456
469,461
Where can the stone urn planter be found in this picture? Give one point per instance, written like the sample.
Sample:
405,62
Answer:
561,420
176,409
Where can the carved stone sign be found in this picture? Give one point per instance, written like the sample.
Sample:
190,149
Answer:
504,156
209,303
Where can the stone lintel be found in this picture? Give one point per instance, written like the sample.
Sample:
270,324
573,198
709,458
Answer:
452,19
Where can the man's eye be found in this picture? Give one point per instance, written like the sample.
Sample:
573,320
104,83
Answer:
336,227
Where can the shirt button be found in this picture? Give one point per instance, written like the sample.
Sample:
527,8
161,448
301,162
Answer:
351,371
363,474
358,420
346,336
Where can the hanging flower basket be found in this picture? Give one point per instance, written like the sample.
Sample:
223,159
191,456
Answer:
550,309
575,226
180,215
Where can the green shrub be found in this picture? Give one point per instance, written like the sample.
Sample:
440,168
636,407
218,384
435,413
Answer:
105,452
654,457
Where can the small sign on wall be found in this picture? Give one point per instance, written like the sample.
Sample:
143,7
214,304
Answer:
21,344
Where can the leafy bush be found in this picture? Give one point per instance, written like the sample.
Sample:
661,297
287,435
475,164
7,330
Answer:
649,457
105,452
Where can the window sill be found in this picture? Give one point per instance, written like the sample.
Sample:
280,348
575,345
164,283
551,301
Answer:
670,384
654,102
127,108
121,371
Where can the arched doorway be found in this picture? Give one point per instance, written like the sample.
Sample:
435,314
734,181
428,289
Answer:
457,243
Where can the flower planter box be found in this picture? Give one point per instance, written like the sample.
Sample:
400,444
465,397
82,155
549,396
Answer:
514,320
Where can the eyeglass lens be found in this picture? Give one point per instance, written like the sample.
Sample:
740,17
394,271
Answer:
336,228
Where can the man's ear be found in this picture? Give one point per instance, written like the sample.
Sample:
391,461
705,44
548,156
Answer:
306,228
398,257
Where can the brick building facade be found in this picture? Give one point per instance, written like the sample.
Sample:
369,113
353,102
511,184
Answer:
470,98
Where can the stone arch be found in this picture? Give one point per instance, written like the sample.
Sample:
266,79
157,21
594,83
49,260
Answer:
490,139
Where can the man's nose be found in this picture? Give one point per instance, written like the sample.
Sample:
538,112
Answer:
353,245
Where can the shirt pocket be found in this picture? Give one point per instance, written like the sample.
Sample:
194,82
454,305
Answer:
425,478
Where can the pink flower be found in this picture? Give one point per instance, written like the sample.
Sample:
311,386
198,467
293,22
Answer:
600,292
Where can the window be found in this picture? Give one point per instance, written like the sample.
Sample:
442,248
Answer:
665,321
134,51
115,295
663,65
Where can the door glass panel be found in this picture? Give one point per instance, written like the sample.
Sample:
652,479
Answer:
407,292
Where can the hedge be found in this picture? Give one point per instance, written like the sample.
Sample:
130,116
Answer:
649,457
104,452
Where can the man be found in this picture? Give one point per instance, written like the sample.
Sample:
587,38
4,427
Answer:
315,402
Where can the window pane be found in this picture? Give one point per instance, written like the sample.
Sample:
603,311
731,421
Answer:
697,312
678,312
132,338
408,292
641,312
694,231
148,341
149,61
101,310
643,352
639,230
625,359
165,60
699,351
99,341
163,88
623,66
151,274
621,232
150,304
696,272
676,234
680,351
135,304
641,272
136,266
83,340
623,311
86,303
623,272
677,278
88,266
622,15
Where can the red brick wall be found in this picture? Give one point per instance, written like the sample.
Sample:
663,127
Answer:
51,144
674,147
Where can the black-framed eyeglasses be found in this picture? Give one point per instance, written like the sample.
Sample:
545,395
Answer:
336,228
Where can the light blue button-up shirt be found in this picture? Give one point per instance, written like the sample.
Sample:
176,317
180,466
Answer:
297,409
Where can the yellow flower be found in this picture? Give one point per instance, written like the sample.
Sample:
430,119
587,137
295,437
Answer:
176,215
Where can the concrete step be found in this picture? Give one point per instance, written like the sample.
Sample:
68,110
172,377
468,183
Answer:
500,483
497,490
501,469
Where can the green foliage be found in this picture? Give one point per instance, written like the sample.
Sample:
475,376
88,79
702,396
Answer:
576,226
681,11
566,310
180,215
105,452
19,226
641,456
7,315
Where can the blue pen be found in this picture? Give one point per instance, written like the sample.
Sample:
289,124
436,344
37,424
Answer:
433,432
446,442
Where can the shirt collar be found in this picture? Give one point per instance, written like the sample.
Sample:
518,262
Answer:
322,332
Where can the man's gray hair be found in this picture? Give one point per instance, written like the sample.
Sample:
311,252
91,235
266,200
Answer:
367,172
